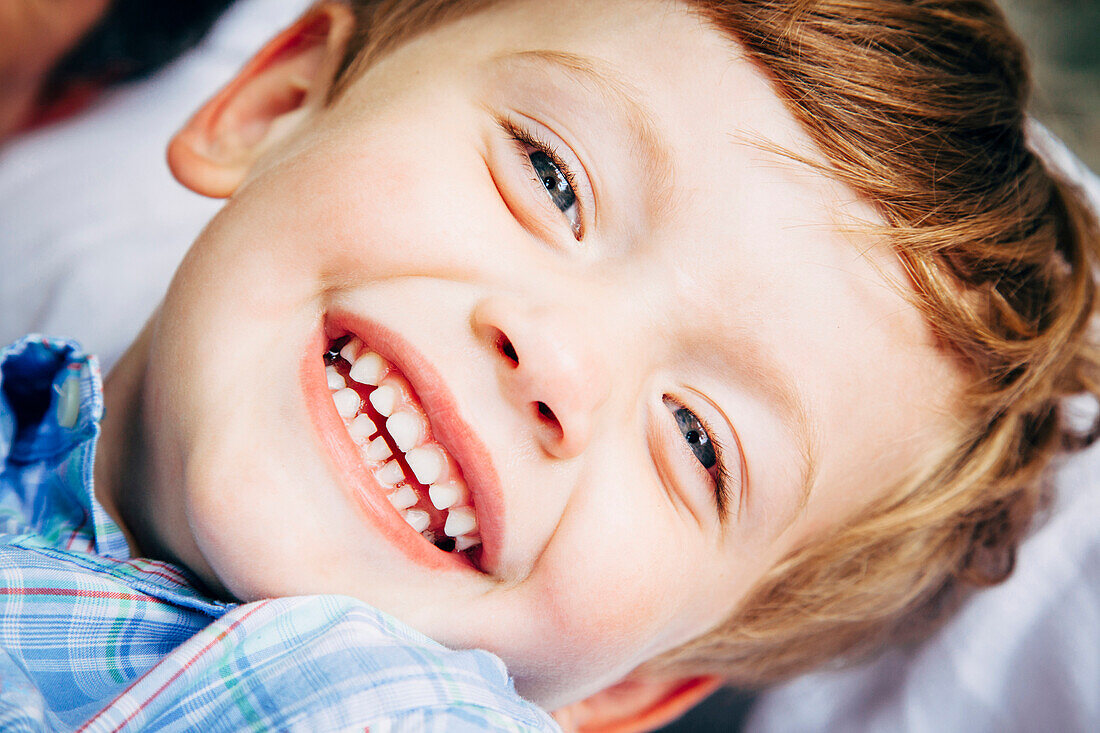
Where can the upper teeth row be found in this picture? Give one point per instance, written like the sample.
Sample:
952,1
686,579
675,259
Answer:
408,427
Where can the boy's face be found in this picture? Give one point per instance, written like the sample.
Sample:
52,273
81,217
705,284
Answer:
711,275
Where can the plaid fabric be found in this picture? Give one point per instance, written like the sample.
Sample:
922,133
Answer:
95,640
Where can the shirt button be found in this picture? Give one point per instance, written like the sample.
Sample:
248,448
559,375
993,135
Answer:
68,403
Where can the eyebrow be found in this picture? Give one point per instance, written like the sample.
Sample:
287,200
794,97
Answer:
766,374
621,96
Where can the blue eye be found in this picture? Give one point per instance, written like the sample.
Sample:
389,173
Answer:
696,436
556,183
552,174
707,450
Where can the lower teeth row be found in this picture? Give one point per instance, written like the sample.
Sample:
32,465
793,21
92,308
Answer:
408,429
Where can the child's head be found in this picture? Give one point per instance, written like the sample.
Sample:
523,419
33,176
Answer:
598,240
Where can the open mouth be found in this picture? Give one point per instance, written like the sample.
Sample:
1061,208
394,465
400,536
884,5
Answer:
386,421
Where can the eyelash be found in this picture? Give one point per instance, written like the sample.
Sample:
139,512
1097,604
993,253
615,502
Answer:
531,138
723,490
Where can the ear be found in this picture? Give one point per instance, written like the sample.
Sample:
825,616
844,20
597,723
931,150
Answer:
636,705
287,81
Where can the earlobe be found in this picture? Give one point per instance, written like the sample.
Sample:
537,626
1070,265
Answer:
285,82
636,705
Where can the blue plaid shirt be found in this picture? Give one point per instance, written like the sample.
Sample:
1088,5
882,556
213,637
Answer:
94,639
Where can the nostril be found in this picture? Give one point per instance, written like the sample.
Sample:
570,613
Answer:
550,420
546,413
504,346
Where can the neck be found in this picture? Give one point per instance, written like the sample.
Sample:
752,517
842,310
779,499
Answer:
120,468
136,480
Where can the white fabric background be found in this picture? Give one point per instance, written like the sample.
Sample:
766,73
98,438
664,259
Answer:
92,227
92,224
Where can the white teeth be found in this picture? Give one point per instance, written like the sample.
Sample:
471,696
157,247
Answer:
390,474
335,381
368,368
351,349
406,430
445,496
347,402
384,399
418,519
426,463
465,542
403,498
362,427
378,450
460,521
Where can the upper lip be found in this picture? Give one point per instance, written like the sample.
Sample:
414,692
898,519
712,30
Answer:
449,427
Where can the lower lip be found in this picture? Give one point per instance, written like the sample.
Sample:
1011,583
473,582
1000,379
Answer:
368,495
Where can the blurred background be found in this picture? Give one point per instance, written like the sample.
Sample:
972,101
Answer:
1064,39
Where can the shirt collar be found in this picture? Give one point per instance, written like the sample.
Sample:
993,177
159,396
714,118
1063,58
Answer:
53,395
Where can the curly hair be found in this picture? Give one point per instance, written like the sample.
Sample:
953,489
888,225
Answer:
919,107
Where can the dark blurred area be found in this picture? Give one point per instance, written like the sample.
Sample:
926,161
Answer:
133,39
1063,37
723,712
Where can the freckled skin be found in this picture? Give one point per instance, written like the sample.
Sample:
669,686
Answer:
405,203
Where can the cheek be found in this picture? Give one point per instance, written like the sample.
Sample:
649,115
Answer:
238,513
383,187
251,494
608,605
614,578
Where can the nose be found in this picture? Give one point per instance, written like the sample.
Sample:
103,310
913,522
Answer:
550,367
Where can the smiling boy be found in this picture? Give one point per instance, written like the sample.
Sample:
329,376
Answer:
549,330
540,346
